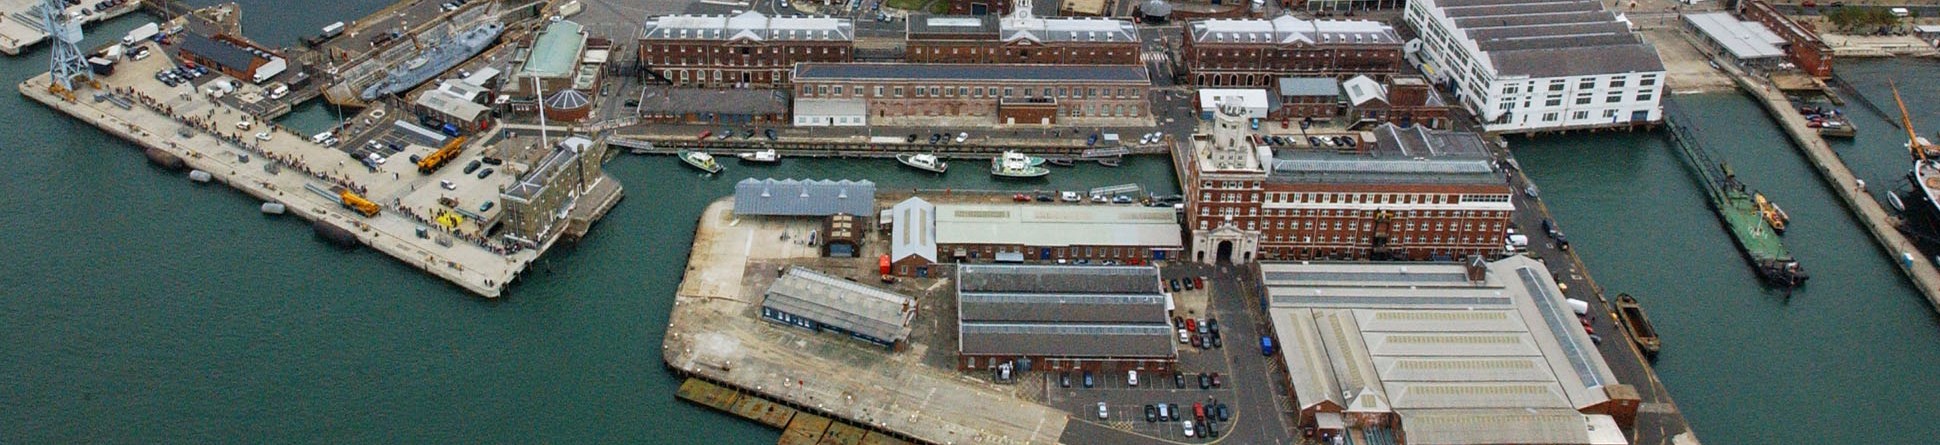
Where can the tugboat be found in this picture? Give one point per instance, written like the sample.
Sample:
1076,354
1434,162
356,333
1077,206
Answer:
700,160
923,161
1773,214
1015,165
768,156
1632,316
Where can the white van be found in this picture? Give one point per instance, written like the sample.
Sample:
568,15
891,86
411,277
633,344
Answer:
1900,12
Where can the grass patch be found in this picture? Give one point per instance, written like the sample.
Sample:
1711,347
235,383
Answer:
908,5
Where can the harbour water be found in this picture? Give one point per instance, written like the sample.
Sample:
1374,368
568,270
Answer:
141,307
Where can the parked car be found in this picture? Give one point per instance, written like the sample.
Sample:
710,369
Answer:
1131,377
1020,197
1224,414
447,184
487,206
472,166
483,173
1179,379
1184,337
1204,382
1215,380
963,137
1199,281
1045,197
1151,414
1188,428
1064,379
1088,380
770,133
1070,196
1103,412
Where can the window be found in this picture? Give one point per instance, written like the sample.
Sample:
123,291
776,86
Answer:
1644,96
1587,84
1609,114
838,90
1549,117
1616,83
899,91
1556,85
1584,99
1580,115
1553,101
822,90
879,91
1510,90
1649,79
1008,91
1614,98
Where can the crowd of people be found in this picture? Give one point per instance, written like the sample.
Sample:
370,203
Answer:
208,127
480,241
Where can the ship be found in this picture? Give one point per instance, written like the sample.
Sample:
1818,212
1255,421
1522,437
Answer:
700,160
1919,204
1631,317
1015,165
1738,209
923,161
768,156
435,59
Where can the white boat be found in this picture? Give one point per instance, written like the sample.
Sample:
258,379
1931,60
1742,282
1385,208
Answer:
1013,165
1013,156
923,161
763,156
700,160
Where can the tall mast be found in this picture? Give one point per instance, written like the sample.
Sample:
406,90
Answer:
1906,122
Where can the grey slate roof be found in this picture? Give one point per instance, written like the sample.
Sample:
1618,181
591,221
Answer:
1067,29
954,26
1414,155
1309,86
1068,308
791,197
222,53
1065,311
1288,29
677,101
749,25
1638,58
841,303
1058,279
972,72
1555,38
1068,340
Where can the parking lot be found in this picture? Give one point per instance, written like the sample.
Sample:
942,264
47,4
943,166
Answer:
1125,403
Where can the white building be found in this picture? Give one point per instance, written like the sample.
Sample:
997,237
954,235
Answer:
831,113
1525,66
1254,100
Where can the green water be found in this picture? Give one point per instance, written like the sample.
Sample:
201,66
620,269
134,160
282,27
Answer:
138,307
1845,356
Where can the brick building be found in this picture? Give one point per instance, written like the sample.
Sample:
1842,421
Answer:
1318,98
1254,52
1411,193
1405,100
1803,45
747,49
946,94
1015,39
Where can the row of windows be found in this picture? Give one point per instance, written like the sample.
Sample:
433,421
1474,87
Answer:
1306,53
1021,53
1207,224
1579,115
682,49
966,91
1365,240
1557,85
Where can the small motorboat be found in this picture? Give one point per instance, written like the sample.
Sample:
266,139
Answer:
700,160
1013,165
768,156
1110,162
923,161
1063,162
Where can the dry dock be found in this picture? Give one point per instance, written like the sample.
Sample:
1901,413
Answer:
290,170
1876,219
715,335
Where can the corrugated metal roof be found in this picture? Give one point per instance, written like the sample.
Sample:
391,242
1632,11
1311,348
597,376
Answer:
1053,225
791,197
1744,40
679,101
1070,311
1413,155
972,72
914,233
1494,426
1548,39
1361,89
449,104
845,304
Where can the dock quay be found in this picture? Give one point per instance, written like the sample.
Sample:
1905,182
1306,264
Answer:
798,428
852,148
1883,226
21,25
715,334
282,167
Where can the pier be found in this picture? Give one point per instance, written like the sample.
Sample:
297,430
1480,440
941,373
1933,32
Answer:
1881,224
20,22
286,168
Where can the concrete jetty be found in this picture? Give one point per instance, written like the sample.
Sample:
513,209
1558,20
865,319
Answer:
20,27
1880,223
284,167
715,334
